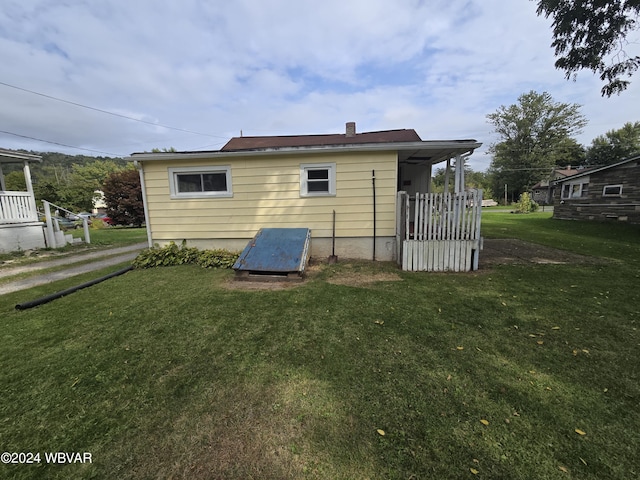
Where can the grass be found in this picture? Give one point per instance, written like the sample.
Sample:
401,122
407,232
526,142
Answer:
167,373
609,240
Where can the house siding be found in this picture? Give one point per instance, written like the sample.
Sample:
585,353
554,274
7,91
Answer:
596,207
266,193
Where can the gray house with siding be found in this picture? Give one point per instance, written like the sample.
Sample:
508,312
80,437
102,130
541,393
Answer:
604,193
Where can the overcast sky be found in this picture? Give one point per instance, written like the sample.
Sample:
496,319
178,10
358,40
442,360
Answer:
276,67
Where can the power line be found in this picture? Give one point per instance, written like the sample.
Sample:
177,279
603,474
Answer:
61,144
110,113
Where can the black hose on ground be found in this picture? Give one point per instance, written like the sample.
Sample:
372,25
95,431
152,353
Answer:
62,293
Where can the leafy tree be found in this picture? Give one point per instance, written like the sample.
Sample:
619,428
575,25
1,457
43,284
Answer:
123,196
535,135
14,181
472,179
592,35
615,145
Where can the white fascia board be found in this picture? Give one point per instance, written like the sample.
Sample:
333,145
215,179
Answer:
462,146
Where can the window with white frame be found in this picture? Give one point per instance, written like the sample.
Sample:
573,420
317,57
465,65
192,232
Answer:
317,179
575,190
612,191
200,182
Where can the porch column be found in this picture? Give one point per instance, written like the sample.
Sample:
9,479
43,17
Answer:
459,183
3,187
27,180
446,176
430,180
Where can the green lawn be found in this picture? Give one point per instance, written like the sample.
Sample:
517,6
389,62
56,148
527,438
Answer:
517,372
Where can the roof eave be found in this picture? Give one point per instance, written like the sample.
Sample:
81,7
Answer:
9,156
460,146
590,171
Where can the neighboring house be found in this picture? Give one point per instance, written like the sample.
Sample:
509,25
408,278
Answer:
541,193
20,228
605,193
220,199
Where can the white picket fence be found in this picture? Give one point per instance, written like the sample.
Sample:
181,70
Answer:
439,232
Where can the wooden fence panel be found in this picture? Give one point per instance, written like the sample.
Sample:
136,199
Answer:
444,234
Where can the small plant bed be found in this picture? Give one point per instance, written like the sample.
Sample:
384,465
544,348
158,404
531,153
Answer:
172,255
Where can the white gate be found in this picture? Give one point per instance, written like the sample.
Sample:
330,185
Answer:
439,232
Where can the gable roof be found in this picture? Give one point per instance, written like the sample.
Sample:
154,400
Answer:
406,142
258,143
590,171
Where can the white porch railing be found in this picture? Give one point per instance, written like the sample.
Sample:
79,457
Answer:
17,207
439,231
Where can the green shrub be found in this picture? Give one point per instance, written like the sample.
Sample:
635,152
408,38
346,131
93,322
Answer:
526,204
217,258
173,254
97,224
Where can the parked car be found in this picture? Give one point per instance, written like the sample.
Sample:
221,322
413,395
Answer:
68,224
65,223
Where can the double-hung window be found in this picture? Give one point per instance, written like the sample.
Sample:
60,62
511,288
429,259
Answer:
317,179
575,190
200,182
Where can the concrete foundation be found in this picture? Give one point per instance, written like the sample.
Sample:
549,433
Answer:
22,236
353,247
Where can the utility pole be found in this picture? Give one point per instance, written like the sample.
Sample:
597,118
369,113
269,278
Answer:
505,194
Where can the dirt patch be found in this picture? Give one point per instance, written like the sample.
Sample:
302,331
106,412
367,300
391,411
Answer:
357,279
505,251
360,273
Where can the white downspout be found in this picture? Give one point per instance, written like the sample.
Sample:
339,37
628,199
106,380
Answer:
138,165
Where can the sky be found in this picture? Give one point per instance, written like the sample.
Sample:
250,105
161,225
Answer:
113,77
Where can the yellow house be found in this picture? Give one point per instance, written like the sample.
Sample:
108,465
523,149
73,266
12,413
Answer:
220,199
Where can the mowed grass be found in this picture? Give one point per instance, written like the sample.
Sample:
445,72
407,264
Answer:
514,372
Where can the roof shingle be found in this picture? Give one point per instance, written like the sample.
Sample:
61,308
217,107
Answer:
292,141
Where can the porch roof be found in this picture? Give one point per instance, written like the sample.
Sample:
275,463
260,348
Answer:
11,156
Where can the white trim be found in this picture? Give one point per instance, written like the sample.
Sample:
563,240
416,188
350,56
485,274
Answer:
173,181
455,146
580,183
618,186
306,167
145,203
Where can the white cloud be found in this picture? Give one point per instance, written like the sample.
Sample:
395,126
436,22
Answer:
277,67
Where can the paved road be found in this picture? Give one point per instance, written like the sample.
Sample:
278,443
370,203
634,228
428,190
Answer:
114,256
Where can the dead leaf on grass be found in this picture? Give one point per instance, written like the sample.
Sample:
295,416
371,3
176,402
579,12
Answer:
474,471
580,432
484,422
380,432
